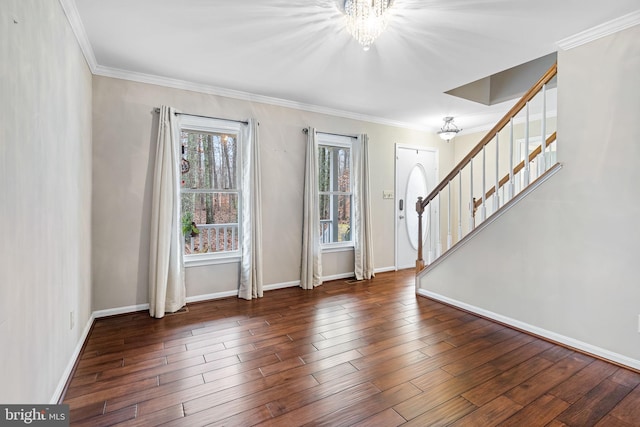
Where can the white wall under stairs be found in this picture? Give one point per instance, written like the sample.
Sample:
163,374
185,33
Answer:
564,262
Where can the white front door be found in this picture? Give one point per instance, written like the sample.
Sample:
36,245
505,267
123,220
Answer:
416,174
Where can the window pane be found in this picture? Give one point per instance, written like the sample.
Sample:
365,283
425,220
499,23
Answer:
334,184
343,217
334,169
211,160
335,218
210,222
325,207
343,181
324,168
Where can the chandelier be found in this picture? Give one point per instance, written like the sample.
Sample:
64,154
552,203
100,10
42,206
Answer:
366,19
449,130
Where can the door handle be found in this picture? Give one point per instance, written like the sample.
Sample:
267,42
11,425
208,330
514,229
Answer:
401,217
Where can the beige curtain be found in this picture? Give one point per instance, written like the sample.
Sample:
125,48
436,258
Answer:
166,273
311,272
251,265
362,236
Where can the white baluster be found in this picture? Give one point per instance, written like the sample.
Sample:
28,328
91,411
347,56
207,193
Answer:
233,239
471,204
438,236
511,183
483,209
543,131
430,225
459,206
526,150
209,239
496,197
449,236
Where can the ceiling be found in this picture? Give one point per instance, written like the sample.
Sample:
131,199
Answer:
300,51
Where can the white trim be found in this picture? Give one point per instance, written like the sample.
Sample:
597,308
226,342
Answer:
71,12
283,285
72,361
405,267
386,269
553,336
120,310
599,31
116,73
199,262
328,248
215,295
339,276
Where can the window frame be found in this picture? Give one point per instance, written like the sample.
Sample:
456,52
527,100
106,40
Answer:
211,125
338,141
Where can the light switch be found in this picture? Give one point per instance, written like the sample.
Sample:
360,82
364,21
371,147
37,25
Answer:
387,194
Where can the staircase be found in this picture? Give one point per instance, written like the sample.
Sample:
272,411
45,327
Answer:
516,155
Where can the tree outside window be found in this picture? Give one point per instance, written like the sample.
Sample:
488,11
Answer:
209,191
334,180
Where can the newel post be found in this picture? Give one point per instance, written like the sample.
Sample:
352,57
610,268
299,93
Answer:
420,210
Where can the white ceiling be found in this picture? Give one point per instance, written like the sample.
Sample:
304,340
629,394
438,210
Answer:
300,51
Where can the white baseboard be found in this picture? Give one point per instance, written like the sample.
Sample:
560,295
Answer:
385,269
72,361
283,285
119,310
555,337
338,277
215,295
140,307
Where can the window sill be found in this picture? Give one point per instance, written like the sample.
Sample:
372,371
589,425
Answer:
202,260
337,248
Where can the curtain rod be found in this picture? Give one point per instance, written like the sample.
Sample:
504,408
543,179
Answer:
306,130
157,110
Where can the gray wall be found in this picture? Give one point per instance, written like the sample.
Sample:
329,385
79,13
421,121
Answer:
565,259
124,136
45,198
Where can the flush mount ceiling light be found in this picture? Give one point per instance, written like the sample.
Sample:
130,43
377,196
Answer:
449,130
366,19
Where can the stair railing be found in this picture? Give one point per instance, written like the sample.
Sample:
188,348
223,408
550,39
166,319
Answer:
504,189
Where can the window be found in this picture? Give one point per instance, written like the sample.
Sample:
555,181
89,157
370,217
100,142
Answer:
335,189
210,193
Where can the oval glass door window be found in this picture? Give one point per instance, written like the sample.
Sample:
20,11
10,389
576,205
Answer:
416,187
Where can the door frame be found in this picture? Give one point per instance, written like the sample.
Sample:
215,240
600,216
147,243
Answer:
395,188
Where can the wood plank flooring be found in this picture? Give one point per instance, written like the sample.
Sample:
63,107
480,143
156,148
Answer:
347,353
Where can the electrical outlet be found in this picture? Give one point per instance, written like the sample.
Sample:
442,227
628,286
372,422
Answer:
72,320
387,194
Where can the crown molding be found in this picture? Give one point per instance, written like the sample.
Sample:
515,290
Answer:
245,96
599,31
73,16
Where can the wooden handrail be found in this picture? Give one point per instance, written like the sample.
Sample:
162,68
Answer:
516,169
421,204
531,93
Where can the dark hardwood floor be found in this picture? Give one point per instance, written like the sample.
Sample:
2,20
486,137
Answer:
366,353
